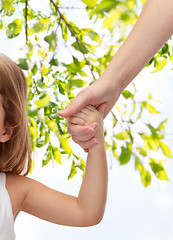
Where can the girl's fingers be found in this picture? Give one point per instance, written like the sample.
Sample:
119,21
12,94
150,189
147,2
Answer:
76,121
88,144
88,110
86,132
83,138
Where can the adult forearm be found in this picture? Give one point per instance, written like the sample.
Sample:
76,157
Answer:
152,29
93,192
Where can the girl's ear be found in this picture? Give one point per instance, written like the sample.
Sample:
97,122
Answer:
8,131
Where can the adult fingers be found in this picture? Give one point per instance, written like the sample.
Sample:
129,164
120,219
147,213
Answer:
77,104
102,108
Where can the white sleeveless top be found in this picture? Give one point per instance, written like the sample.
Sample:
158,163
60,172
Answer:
6,214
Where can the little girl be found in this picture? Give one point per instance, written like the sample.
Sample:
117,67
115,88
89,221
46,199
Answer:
20,193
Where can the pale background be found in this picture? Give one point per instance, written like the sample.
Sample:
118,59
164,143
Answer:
133,212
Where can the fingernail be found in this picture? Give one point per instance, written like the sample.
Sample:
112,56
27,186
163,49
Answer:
94,126
60,112
95,141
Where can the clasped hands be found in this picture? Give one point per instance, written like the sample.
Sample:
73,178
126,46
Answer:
84,124
102,94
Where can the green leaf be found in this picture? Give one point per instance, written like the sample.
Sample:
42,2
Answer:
125,154
43,100
80,164
115,154
114,119
56,154
14,28
45,70
38,27
158,169
146,178
62,87
165,149
1,24
31,166
80,47
150,143
122,136
64,31
32,127
127,94
142,151
94,36
73,171
77,83
52,125
90,3
46,161
162,125
105,6
30,13
52,41
54,62
22,63
65,144
145,175
149,107
6,5
165,49
159,65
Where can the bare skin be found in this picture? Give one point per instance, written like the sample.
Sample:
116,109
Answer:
41,201
152,29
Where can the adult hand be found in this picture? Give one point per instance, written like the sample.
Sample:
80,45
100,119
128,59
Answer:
125,65
99,92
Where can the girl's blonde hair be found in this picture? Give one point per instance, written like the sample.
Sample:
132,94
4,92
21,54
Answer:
15,155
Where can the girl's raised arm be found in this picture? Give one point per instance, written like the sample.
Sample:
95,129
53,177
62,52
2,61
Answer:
87,209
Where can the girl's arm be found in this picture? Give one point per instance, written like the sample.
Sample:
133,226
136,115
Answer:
87,209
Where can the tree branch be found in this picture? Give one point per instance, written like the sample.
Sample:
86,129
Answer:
26,20
73,33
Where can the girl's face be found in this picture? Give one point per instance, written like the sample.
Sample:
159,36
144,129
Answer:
5,132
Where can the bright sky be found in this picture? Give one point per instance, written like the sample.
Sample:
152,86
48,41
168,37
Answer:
132,212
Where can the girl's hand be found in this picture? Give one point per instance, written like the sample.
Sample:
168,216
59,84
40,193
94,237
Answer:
89,119
83,135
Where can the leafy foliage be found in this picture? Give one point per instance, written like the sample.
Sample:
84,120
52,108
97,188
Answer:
52,79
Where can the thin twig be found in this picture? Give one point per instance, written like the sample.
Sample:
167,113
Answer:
71,8
73,34
26,20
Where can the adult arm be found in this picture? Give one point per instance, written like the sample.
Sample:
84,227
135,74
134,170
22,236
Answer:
152,29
